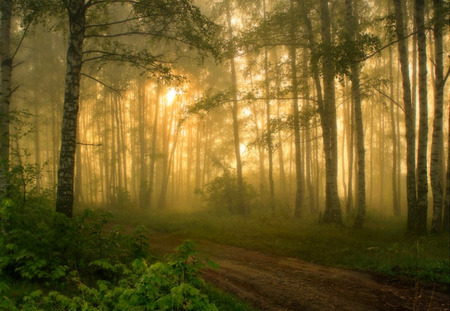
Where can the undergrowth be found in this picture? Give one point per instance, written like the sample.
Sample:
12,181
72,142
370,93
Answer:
51,262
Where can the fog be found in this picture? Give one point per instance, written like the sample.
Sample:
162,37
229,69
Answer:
190,127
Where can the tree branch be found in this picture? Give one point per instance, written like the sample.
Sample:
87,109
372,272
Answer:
20,42
102,83
390,98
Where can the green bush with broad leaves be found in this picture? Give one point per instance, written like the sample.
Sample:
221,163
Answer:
171,285
223,194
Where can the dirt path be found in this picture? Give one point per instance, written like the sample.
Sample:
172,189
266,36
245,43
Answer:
280,283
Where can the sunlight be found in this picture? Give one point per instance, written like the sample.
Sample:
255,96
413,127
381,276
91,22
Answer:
242,148
170,95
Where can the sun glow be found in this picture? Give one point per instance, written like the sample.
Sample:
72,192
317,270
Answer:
170,95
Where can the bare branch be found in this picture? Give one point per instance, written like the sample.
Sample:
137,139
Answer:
102,83
390,98
85,144
21,40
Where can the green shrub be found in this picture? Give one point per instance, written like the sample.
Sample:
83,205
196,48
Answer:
173,285
223,194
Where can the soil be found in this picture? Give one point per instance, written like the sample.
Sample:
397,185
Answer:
269,282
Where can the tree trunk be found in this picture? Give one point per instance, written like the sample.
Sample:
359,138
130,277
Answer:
294,84
352,28
395,169
5,91
332,212
153,150
446,221
143,195
409,117
436,164
420,225
235,110
77,20
269,128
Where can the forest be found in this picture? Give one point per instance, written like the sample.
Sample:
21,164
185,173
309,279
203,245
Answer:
224,155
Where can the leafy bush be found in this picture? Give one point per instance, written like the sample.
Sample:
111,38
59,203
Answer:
223,194
161,286
37,243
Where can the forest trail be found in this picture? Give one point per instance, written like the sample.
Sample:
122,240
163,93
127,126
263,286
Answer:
271,282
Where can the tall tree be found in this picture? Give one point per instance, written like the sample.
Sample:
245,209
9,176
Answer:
332,212
6,63
235,107
420,221
409,115
352,31
437,161
294,85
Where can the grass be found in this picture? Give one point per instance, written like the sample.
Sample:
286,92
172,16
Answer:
381,247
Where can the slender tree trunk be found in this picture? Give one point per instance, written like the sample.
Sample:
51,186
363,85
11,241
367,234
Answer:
294,84
235,110
77,20
422,152
352,28
6,60
350,154
332,212
409,116
436,172
153,150
269,127
446,220
142,146
395,169
37,141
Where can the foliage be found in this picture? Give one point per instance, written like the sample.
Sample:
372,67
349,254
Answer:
37,243
223,194
173,285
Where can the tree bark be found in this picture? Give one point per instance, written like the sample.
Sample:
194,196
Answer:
235,110
77,20
332,212
395,169
6,60
436,164
269,127
409,116
352,28
420,225
294,84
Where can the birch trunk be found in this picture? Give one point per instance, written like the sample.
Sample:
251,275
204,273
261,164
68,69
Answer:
153,150
420,225
269,128
77,20
294,84
6,60
332,212
409,116
352,27
235,110
436,164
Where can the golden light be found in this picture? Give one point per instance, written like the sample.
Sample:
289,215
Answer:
171,94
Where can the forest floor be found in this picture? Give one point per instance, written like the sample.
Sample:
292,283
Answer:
269,282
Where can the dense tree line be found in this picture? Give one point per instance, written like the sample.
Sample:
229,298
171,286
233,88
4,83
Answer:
312,103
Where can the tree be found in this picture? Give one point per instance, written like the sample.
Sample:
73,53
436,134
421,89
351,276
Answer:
352,31
6,60
420,217
436,164
409,116
332,212
177,22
